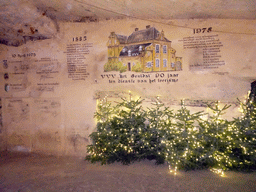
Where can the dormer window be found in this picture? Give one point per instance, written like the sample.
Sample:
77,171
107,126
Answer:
124,50
149,64
129,53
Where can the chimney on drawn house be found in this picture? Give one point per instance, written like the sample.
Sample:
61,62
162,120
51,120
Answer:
148,26
136,29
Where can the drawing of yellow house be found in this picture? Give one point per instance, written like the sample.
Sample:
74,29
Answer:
144,50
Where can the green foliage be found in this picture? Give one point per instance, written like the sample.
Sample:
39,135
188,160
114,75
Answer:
120,133
159,122
214,136
126,133
184,148
137,67
115,66
244,149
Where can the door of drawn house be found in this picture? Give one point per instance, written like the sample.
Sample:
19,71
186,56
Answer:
129,66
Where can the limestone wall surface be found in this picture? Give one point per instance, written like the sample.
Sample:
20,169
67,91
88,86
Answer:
49,88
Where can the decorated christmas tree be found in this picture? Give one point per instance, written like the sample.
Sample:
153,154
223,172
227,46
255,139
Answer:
160,119
126,133
245,147
183,144
216,138
121,133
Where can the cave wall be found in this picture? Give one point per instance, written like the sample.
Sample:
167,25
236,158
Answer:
50,88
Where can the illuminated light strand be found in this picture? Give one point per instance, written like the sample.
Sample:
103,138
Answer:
172,156
218,171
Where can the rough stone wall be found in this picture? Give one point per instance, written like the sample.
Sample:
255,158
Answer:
49,88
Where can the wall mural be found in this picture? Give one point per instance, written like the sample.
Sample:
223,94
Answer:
146,50
76,58
49,89
149,55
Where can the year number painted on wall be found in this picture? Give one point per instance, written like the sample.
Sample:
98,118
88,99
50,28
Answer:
84,38
202,30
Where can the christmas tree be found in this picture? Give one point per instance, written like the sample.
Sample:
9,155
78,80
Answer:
183,144
121,133
126,133
245,149
160,119
216,137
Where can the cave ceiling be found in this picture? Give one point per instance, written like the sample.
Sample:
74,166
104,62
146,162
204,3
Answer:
32,20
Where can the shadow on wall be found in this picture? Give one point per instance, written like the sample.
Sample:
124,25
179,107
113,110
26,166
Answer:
2,147
253,91
78,142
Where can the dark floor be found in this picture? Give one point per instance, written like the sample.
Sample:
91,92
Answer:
34,172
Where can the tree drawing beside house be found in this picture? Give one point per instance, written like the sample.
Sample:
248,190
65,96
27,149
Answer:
144,50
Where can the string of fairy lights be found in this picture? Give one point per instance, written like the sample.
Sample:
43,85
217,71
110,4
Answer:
126,132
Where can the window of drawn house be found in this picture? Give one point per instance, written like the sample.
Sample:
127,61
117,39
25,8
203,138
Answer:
173,65
129,53
157,63
165,62
157,48
149,64
164,49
